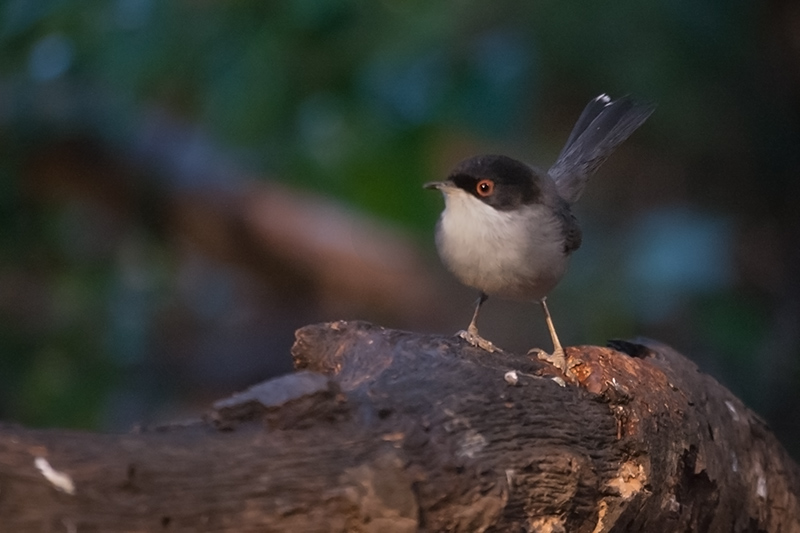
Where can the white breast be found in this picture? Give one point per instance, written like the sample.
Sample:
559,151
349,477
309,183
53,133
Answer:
512,254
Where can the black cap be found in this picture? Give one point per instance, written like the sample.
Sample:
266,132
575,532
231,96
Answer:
499,181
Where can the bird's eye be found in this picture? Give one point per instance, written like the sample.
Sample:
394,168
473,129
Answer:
485,188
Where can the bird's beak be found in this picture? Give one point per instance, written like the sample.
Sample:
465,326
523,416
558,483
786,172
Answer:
438,185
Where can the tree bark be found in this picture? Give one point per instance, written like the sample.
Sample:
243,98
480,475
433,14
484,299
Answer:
390,431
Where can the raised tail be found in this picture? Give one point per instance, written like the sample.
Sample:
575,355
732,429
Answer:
602,126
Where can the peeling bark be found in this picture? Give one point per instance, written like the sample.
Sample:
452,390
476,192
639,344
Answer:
383,431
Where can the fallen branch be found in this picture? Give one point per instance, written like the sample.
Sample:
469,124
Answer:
384,431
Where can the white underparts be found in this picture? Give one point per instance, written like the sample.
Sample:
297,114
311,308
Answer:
513,254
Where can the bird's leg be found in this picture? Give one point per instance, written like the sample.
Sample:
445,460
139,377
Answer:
557,358
471,334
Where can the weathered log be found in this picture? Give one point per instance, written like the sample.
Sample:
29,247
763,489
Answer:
383,430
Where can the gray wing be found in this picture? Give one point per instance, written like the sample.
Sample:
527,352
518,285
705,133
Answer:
569,224
603,125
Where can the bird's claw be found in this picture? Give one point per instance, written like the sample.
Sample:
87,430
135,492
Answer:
558,359
474,339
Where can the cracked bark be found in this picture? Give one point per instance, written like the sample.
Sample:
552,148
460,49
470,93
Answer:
384,431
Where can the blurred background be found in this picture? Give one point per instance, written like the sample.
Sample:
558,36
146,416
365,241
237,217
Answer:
184,184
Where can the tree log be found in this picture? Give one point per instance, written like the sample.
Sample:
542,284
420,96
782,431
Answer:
390,431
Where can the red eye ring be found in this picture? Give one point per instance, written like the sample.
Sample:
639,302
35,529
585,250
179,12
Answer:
484,188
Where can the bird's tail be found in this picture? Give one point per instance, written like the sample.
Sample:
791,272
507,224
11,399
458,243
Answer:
602,126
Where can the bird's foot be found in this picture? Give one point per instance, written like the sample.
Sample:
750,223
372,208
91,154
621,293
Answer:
558,359
471,336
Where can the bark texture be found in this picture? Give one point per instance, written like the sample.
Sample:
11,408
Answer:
390,431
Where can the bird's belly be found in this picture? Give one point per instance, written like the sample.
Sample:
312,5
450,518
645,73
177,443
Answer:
501,256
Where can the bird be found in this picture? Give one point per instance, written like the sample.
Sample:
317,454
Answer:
507,228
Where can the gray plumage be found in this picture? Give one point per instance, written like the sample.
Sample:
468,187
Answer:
603,125
507,228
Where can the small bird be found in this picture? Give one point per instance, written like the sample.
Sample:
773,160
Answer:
507,228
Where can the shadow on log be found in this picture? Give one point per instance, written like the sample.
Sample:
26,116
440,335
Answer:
390,431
